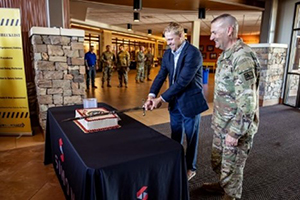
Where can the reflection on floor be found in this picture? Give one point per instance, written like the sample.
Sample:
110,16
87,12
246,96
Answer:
30,179
119,98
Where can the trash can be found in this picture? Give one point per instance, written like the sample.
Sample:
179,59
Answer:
205,75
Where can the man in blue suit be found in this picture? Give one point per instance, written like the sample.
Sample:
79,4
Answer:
182,63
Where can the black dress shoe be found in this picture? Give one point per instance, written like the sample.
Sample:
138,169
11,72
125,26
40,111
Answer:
95,87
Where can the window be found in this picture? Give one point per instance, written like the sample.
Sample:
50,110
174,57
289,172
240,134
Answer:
292,84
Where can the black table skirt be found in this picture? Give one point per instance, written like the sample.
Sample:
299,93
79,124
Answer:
132,162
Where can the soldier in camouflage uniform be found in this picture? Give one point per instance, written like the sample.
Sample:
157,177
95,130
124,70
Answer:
108,59
148,63
123,63
235,117
140,65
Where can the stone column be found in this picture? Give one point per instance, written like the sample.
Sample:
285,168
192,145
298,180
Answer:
272,58
58,60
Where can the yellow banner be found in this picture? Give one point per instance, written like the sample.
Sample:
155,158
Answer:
14,112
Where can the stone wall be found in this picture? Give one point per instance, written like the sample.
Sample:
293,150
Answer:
293,85
58,62
272,58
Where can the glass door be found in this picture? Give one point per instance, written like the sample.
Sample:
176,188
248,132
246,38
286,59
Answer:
292,83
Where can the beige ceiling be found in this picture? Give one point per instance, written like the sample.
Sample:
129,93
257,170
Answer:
118,13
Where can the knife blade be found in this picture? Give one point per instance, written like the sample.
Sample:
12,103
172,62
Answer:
101,113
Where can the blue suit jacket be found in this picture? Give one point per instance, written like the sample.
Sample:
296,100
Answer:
187,86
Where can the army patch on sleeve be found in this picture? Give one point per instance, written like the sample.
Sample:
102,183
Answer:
248,75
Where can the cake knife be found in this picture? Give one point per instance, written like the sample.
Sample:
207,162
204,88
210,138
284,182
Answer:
101,113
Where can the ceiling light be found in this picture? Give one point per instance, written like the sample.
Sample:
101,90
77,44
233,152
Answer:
201,13
129,27
136,17
137,5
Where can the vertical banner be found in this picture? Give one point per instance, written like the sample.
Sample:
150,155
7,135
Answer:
14,111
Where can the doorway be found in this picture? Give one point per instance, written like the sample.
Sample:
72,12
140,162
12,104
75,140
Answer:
292,83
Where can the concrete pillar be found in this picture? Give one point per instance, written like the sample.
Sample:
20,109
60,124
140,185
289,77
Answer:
106,39
156,50
58,13
195,37
268,25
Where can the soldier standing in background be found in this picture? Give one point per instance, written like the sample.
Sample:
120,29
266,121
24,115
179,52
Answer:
123,63
108,59
148,63
236,107
140,65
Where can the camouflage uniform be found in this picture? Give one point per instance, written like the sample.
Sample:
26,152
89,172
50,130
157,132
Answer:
236,107
108,58
148,64
140,66
123,62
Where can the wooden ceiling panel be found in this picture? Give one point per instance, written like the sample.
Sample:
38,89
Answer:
119,13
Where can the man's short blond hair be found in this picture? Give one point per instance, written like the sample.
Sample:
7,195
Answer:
174,27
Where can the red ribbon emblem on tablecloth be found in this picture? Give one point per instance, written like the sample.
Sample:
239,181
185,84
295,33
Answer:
62,156
141,194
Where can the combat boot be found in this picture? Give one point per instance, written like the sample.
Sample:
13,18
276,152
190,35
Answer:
227,197
213,188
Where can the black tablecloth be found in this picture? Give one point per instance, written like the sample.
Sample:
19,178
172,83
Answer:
132,162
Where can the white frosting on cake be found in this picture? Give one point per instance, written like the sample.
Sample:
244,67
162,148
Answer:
97,123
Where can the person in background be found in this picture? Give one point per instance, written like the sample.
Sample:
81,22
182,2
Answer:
90,60
236,105
108,59
140,65
123,63
148,63
182,63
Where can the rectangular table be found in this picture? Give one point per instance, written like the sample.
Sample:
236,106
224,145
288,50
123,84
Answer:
132,162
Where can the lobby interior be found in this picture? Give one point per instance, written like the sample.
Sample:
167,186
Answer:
99,16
